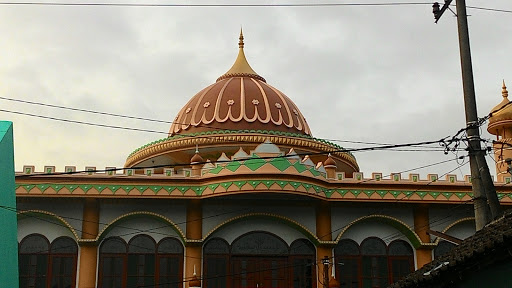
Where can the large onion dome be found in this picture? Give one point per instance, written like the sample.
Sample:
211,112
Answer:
239,112
240,100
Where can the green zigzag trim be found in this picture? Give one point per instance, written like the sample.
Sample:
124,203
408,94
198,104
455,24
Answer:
199,189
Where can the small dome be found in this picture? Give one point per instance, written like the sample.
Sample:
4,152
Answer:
501,114
196,158
240,100
329,161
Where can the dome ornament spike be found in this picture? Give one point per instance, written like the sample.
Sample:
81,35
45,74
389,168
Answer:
241,67
504,91
241,39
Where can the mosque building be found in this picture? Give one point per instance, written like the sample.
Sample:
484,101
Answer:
240,194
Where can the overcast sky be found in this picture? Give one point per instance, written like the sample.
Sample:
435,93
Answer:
358,73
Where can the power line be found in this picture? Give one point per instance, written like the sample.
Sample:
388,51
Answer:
214,5
140,118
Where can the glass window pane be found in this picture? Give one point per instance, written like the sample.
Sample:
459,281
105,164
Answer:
34,244
141,244
64,245
170,246
113,245
346,247
302,247
400,247
258,243
373,246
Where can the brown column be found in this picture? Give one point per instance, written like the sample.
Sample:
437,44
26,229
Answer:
421,225
194,232
89,252
323,232
323,221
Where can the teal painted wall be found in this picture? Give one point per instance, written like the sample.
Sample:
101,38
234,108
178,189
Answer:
8,219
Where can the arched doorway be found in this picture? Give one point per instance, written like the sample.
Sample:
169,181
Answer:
259,259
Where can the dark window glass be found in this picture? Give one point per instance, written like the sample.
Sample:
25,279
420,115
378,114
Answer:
258,243
373,246
141,261
302,247
401,259
443,248
112,263
33,261
400,247
63,259
374,263
348,263
169,261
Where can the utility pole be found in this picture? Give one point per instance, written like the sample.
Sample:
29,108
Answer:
482,184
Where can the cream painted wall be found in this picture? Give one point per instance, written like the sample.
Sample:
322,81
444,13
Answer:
342,216
51,228
69,209
143,224
173,210
361,231
443,216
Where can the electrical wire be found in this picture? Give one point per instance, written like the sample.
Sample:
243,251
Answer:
213,5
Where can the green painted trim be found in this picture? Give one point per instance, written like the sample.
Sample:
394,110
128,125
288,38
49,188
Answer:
199,190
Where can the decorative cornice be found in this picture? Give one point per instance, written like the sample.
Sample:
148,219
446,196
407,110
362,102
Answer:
213,188
167,145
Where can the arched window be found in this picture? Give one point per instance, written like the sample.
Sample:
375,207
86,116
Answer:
44,265
373,264
348,260
169,263
401,259
259,259
141,263
302,261
443,248
33,261
63,255
216,259
112,263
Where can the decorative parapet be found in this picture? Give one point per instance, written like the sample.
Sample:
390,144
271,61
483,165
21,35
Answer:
282,165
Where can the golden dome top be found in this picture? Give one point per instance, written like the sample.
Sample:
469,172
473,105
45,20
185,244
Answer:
240,100
241,67
501,114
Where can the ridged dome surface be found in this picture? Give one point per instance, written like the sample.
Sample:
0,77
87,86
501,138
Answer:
240,100
240,103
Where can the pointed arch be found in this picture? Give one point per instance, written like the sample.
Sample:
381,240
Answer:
401,226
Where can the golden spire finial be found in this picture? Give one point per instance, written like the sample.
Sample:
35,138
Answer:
504,91
241,67
241,42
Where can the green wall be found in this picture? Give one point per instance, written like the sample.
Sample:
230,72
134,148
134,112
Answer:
8,222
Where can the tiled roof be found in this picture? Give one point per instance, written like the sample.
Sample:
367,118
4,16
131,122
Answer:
489,246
